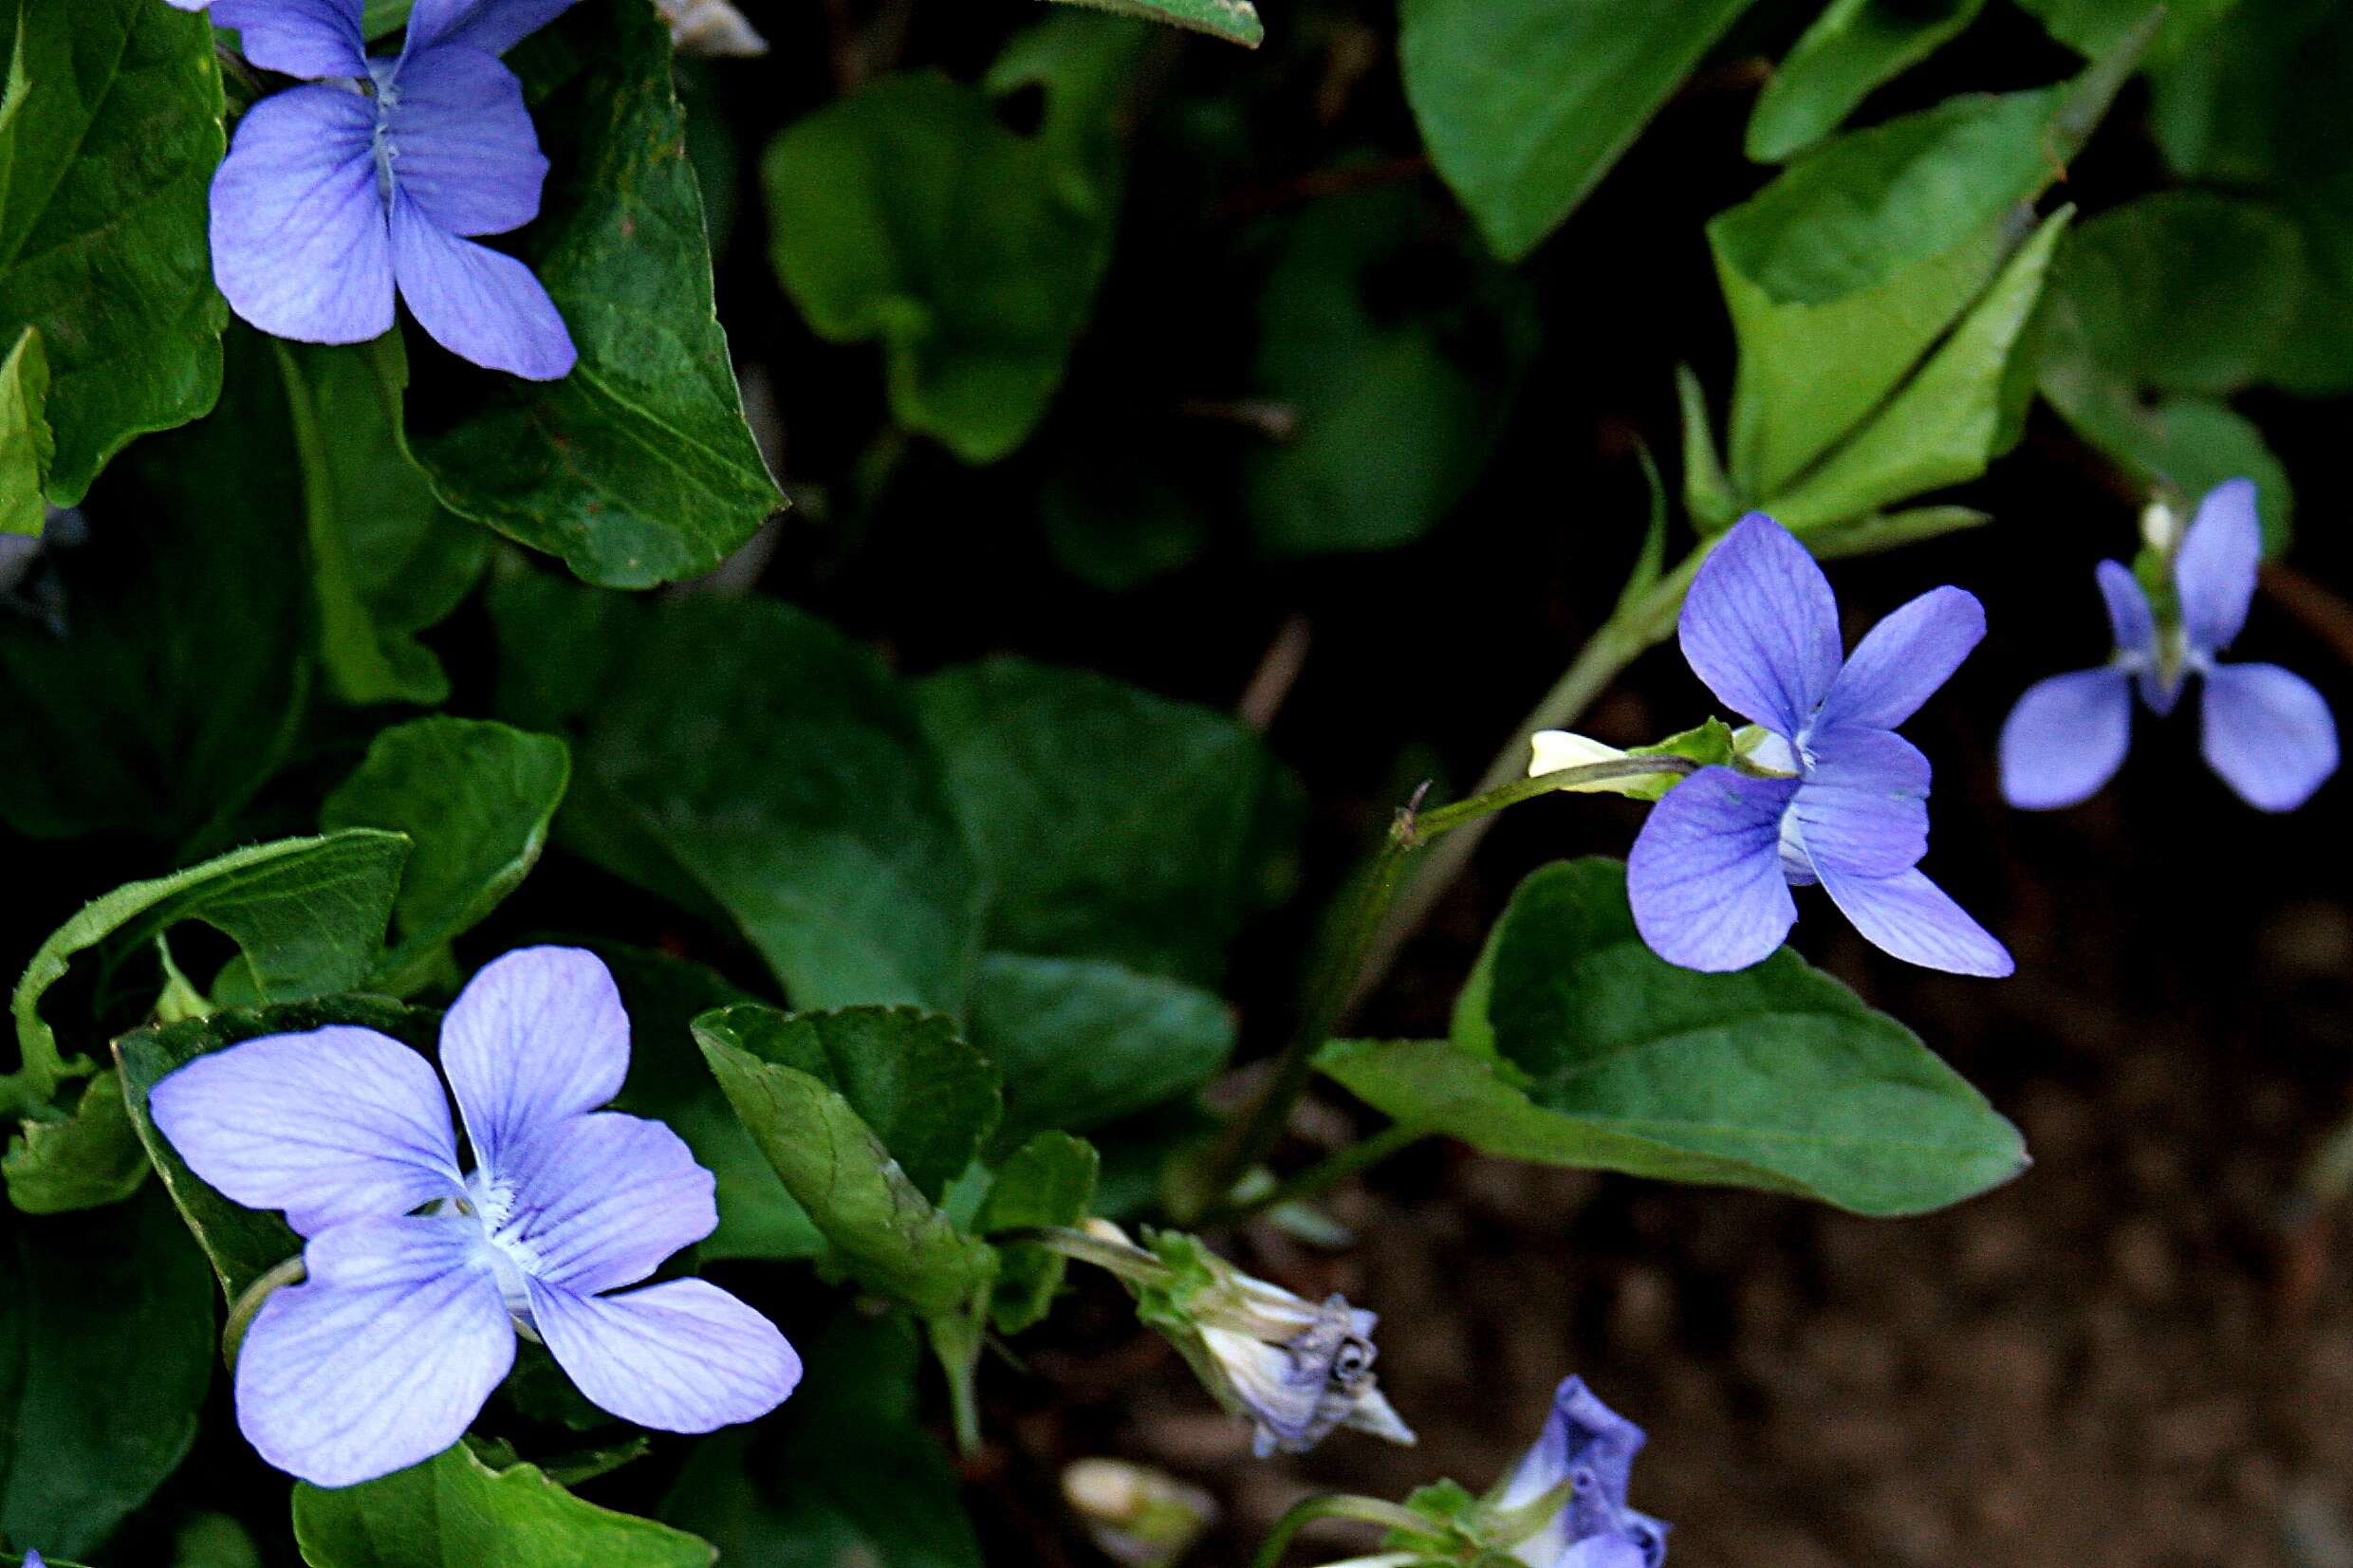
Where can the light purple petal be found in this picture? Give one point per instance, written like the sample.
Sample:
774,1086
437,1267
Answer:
2130,620
476,303
2268,733
602,1199
1760,627
680,1356
383,1358
463,147
1904,658
2215,571
491,25
1864,805
312,39
2066,738
1705,875
1912,917
299,240
331,1125
537,1037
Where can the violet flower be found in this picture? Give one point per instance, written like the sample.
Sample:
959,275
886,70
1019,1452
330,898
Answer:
372,175
1591,1447
1831,793
420,1276
2267,731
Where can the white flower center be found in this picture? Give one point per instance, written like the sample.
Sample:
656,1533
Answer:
492,1204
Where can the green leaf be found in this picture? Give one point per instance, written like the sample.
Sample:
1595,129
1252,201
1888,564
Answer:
1525,103
1051,1180
2182,447
243,1244
1965,407
109,134
1081,1043
27,444
908,214
106,1353
1577,1045
307,913
474,799
1111,823
179,676
742,756
802,1492
1843,272
637,467
1401,351
2093,27
213,1540
1853,47
453,1509
669,1083
1236,21
94,1158
387,560
882,1223
1708,494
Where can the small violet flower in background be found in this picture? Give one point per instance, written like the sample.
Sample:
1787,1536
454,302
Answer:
420,1276
2264,731
1847,802
373,175
1591,1447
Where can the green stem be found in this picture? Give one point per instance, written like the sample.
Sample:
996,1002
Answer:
1251,1135
241,1313
1324,1175
1128,1262
1372,1510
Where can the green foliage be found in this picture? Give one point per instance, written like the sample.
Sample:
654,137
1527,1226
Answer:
908,214
243,1244
1525,103
1233,20
1854,47
454,1508
1574,1044
106,1353
1110,823
1399,351
2093,27
637,467
474,799
109,133
1048,1181
803,1494
25,444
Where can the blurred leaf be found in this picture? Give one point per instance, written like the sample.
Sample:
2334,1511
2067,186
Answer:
881,1223
743,755
1525,103
474,799
2090,26
2182,446
1574,1044
909,213
1081,1043
179,674
106,1353
307,913
27,444
243,1244
637,467
1111,822
1234,20
213,1540
669,1081
109,134
1843,272
800,1490
1965,406
387,560
1853,47
453,1508
1048,1181
1401,352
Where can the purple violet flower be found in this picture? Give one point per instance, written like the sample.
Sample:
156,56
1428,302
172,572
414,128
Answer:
374,174
420,1276
2267,731
1842,800
1591,1447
